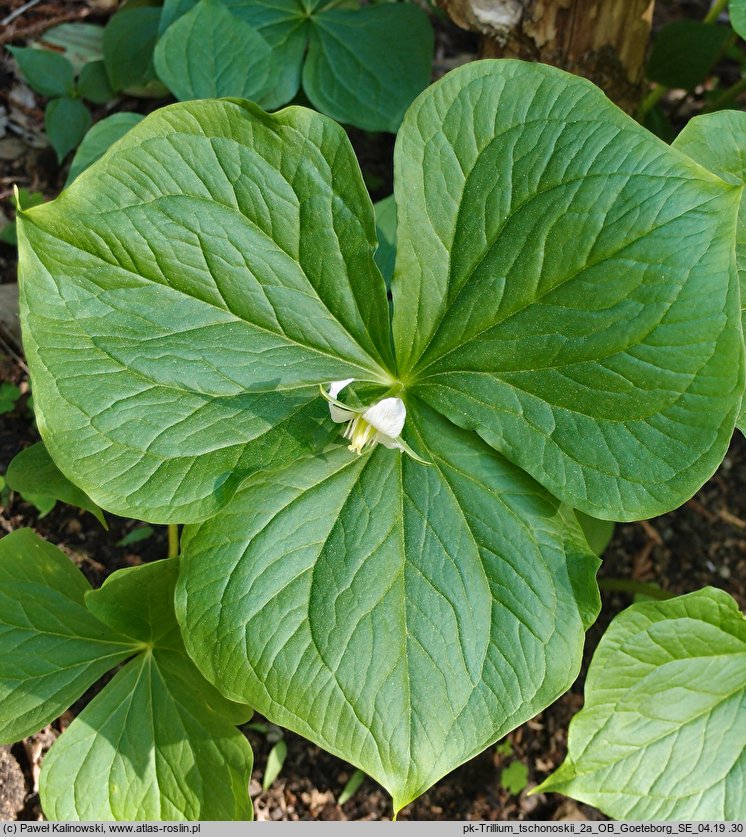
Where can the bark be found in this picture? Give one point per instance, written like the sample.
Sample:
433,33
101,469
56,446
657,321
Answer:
603,40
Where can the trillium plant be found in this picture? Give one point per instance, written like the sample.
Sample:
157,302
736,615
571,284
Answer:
381,497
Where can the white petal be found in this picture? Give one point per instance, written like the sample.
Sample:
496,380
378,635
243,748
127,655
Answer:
335,387
387,416
339,415
388,442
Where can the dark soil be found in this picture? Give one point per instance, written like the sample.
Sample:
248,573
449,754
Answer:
703,543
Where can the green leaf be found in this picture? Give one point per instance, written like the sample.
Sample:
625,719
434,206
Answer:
401,616
598,533
51,648
93,83
209,53
386,234
138,602
66,121
172,10
129,40
186,371
140,533
365,66
351,787
158,743
514,777
49,73
685,51
9,395
81,43
737,12
32,471
662,735
717,141
610,370
275,761
26,199
99,139
282,23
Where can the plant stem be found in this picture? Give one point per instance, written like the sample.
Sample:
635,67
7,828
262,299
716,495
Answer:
173,540
726,97
626,585
657,92
714,12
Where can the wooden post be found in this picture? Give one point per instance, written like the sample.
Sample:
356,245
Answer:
603,40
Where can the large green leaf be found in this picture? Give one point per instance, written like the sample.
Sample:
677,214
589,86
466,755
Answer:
565,287
402,616
51,648
718,142
662,734
364,66
158,742
175,315
223,56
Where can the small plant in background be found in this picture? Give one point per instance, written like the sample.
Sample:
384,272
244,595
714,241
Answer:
683,56
192,763
128,43
9,395
360,65
51,74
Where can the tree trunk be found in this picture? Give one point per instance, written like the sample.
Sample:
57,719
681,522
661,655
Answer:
603,40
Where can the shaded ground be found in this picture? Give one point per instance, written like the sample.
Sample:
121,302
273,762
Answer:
702,543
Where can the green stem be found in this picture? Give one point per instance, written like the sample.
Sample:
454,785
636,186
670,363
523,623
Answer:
657,92
626,585
714,12
173,540
726,97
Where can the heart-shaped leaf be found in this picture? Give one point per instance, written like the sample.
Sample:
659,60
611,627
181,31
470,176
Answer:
662,735
402,616
717,141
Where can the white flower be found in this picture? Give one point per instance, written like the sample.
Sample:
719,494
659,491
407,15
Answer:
381,422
